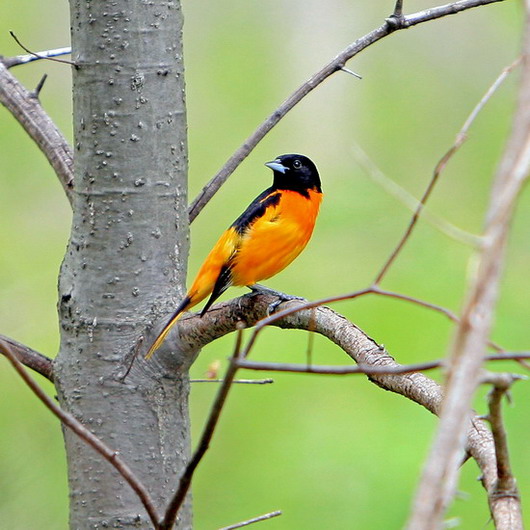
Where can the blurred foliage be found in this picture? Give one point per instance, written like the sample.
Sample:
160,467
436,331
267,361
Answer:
330,452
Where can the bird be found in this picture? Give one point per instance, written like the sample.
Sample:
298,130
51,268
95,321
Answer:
262,241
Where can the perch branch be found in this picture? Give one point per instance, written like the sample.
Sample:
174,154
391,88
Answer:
28,357
392,24
252,309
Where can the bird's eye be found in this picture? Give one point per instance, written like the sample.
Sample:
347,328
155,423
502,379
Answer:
297,164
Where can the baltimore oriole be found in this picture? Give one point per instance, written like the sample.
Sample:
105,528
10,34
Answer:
263,240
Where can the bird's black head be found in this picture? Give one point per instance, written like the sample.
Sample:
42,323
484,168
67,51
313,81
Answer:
295,172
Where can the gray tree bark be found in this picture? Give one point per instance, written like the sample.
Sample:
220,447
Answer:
126,255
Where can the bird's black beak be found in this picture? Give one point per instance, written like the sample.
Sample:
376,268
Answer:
276,165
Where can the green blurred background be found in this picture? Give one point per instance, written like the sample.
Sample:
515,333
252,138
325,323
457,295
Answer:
329,452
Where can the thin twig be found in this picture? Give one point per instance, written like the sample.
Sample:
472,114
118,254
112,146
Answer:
502,382
336,370
351,72
396,23
87,436
406,198
46,55
429,305
374,289
28,357
36,91
408,232
236,381
253,520
461,137
185,481
25,59
360,369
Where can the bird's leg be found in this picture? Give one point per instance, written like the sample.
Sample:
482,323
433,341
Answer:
281,297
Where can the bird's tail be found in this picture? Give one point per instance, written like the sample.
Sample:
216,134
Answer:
185,304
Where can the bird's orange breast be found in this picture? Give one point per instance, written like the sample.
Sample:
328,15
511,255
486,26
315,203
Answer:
275,239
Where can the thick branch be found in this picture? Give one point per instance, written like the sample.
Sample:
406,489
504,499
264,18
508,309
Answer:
29,113
28,357
223,318
392,24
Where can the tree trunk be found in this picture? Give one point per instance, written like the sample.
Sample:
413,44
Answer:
126,255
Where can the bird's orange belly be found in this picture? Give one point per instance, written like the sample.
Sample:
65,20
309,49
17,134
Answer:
275,241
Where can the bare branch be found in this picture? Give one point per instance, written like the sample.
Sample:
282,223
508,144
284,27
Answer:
29,357
199,331
24,59
406,198
253,520
36,91
237,381
461,137
47,55
506,486
335,370
39,126
440,474
87,436
252,309
360,369
392,24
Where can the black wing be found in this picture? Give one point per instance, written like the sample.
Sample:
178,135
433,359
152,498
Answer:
270,197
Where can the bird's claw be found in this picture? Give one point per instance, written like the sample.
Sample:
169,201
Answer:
281,297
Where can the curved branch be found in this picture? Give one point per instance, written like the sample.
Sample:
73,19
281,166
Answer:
28,357
393,23
26,109
195,332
